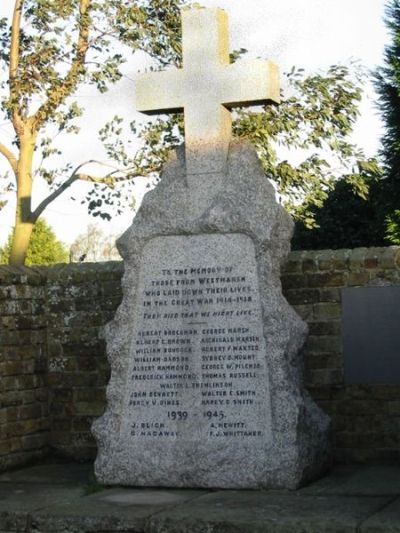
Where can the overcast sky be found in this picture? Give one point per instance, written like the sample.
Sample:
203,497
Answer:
311,33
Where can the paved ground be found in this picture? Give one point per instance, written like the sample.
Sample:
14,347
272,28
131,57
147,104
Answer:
56,498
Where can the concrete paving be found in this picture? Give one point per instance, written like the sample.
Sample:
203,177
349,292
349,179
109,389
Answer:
63,498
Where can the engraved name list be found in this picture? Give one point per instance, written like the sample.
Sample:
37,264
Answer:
197,366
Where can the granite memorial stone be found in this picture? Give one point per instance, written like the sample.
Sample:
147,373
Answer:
206,385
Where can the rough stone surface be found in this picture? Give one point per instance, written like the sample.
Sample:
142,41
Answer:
280,438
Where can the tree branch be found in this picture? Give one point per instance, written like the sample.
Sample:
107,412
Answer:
9,156
55,194
111,180
13,67
14,48
108,180
61,90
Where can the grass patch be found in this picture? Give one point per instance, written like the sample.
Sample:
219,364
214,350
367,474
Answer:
92,486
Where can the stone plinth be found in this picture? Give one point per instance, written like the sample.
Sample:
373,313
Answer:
206,386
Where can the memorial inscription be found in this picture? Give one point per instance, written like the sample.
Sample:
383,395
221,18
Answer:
197,366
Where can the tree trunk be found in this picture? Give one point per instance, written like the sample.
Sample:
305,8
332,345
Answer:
20,243
24,220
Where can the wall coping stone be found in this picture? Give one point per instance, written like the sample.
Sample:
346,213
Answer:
386,256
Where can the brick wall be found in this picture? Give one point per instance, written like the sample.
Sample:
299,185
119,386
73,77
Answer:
24,422
54,369
366,418
81,298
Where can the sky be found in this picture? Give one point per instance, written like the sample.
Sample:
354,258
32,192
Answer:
312,34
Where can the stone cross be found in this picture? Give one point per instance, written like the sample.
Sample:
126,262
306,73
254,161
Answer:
206,88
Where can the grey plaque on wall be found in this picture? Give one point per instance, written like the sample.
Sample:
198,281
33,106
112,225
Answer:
371,335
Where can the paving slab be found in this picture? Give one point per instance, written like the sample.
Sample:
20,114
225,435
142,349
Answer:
19,501
55,499
54,473
118,509
52,498
31,497
385,521
358,480
257,512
